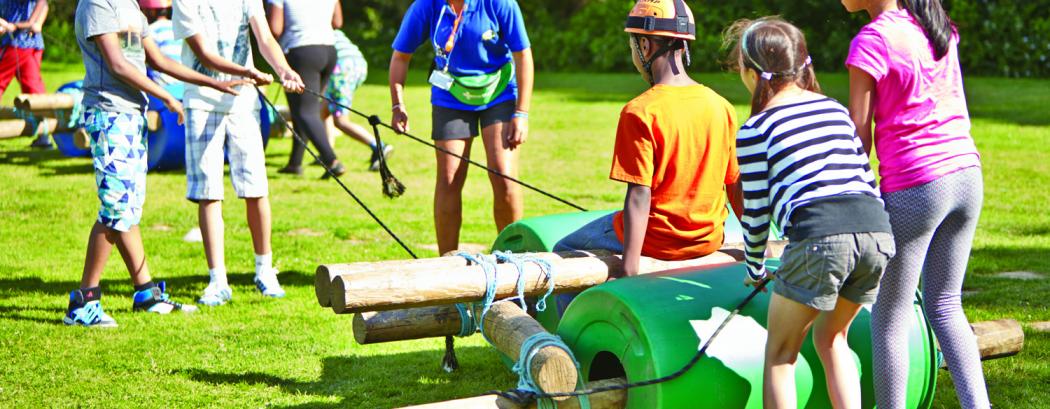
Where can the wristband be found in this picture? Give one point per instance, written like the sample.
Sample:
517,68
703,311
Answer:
520,114
396,106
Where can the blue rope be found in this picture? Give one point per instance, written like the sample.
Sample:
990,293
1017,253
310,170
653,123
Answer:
509,257
467,325
519,261
523,367
488,266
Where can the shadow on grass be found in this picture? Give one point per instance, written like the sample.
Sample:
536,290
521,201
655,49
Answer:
409,378
184,285
30,156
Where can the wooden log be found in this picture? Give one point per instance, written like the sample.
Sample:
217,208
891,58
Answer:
406,324
616,399
388,290
325,273
14,128
507,326
998,339
44,102
774,248
995,339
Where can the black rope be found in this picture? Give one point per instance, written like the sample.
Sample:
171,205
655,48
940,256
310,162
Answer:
447,152
391,186
328,170
449,362
523,397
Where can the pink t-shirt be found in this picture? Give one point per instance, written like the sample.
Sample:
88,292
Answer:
922,127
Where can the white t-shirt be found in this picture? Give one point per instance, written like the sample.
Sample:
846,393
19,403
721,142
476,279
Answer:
225,28
306,22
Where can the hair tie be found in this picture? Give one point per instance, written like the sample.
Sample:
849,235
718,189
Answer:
743,46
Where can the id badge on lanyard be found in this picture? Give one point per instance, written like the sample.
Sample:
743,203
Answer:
441,78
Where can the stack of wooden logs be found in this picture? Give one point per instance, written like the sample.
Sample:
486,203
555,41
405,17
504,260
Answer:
403,300
46,108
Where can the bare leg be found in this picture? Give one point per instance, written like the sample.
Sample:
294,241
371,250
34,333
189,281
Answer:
329,125
358,132
830,333
100,245
259,222
448,193
209,214
129,244
789,322
507,203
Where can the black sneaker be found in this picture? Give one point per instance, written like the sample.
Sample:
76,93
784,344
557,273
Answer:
155,300
291,170
337,169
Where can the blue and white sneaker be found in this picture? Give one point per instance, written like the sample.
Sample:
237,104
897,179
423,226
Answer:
90,314
156,300
266,282
216,295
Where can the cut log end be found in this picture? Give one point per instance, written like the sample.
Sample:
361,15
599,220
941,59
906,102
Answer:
337,296
36,102
323,286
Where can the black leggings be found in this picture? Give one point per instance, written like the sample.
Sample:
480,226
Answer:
314,63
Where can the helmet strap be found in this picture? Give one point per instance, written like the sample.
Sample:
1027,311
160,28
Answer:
664,49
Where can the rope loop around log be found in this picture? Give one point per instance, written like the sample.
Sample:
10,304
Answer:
519,261
467,325
527,387
488,266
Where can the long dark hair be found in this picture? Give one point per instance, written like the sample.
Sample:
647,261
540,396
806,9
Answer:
934,21
776,50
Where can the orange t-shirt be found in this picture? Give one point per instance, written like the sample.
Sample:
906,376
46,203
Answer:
681,143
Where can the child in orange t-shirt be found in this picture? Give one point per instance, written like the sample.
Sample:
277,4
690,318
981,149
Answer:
675,149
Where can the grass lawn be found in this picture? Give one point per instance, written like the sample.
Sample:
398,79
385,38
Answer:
290,353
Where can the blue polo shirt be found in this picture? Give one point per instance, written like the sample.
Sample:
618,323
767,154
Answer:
17,11
490,31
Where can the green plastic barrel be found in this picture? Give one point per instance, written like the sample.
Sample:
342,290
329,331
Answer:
649,326
542,233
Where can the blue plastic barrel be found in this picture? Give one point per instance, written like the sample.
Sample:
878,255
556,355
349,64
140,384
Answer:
167,145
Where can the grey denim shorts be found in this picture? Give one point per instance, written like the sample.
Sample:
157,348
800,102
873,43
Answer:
816,271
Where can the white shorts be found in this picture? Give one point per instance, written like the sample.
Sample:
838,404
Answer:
211,137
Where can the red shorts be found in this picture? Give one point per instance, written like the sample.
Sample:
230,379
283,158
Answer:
23,63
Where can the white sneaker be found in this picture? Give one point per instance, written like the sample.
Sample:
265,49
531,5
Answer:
216,294
266,282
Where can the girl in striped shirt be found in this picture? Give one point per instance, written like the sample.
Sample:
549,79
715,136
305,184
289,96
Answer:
803,168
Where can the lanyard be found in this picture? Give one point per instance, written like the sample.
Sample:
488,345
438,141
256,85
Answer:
450,44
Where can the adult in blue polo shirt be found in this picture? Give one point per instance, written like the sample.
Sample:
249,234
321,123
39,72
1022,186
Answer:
481,83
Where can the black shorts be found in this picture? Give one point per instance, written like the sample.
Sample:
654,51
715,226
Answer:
451,124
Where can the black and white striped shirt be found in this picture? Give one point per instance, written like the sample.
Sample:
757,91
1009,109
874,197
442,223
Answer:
791,155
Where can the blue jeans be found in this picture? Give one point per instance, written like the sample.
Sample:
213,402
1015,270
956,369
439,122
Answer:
596,235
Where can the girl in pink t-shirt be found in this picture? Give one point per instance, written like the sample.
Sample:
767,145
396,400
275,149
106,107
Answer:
905,74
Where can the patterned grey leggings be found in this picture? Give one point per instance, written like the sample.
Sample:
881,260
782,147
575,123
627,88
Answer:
933,225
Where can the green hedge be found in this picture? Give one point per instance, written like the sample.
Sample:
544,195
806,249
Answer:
999,37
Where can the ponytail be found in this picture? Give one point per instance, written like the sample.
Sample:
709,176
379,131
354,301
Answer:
934,21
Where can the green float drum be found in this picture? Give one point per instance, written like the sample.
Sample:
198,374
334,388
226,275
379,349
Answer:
650,326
